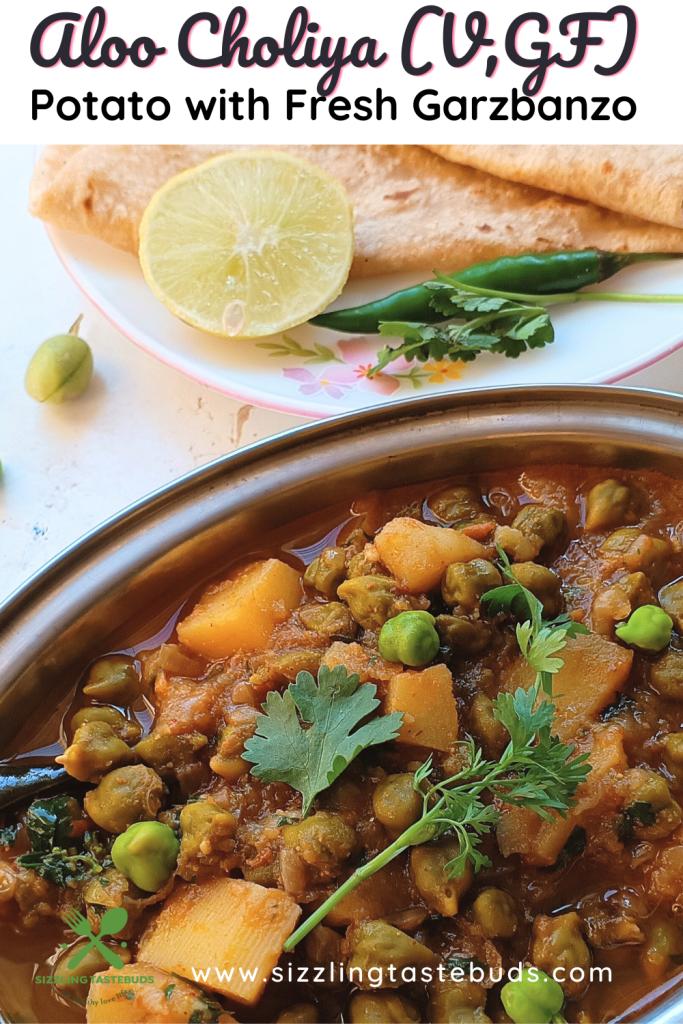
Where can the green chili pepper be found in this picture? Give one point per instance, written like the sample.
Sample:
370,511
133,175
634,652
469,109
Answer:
534,999
649,627
531,274
409,638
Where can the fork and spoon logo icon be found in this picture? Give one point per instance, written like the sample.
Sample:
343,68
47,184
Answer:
113,920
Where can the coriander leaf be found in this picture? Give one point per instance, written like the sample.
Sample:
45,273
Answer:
49,822
59,866
538,649
457,963
510,598
640,811
54,855
520,717
310,759
8,835
205,1010
573,629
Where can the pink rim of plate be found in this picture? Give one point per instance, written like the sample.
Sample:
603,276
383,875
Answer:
266,401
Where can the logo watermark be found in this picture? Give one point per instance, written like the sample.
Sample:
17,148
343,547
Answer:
113,920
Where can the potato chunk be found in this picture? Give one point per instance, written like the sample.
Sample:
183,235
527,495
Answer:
241,613
430,714
143,994
231,926
540,842
417,554
594,670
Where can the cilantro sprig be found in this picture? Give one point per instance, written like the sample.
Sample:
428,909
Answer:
310,754
488,322
536,770
506,323
538,640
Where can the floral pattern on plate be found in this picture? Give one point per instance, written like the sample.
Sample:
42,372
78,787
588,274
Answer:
348,368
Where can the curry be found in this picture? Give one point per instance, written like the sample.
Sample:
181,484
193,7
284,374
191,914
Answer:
371,769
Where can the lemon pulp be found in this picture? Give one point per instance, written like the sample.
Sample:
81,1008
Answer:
248,244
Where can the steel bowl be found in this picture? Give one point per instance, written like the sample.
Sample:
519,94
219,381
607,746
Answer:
149,554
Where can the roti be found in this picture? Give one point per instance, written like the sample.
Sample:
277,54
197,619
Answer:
642,181
413,209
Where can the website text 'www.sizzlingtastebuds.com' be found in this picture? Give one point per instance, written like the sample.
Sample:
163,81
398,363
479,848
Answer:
377,977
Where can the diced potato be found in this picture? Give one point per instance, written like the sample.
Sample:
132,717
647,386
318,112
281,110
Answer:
123,997
539,842
594,670
370,667
430,714
417,554
241,613
232,927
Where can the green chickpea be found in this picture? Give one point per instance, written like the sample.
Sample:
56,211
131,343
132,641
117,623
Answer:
548,524
323,840
147,853
94,749
113,680
463,583
373,599
395,802
164,751
330,619
648,627
671,600
543,584
327,571
378,944
409,638
208,834
535,998
666,675
123,797
69,982
299,1013
455,504
428,870
382,1008
674,747
61,368
607,504
491,733
496,914
127,729
463,636
457,1002
557,942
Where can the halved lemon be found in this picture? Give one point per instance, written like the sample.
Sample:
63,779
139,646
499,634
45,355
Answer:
248,244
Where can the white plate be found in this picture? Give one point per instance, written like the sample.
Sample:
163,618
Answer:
319,373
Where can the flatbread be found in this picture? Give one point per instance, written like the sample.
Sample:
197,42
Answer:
643,181
413,209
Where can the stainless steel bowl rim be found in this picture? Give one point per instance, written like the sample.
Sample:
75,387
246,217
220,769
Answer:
650,422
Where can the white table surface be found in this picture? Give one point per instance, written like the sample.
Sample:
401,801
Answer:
139,425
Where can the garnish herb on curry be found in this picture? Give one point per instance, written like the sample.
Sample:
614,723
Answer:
449,745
